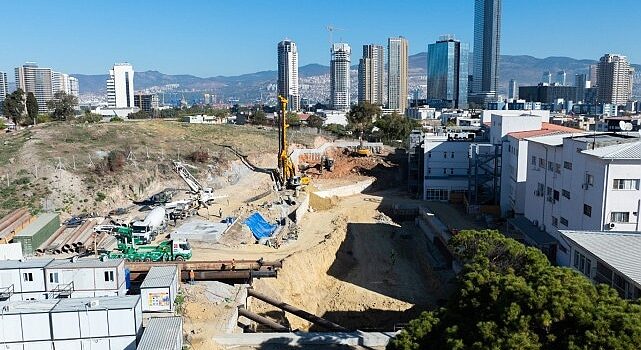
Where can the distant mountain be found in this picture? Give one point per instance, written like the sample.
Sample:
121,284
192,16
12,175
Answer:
526,70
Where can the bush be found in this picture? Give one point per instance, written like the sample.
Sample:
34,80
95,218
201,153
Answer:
43,118
89,118
114,162
100,197
116,119
199,156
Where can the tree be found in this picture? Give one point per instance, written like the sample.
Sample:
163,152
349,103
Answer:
293,119
395,127
62,105
258,117
14,106
32,107
510,297
315,121
139,115
361,116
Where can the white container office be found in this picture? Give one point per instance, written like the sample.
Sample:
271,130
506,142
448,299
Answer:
87,277
23,279
109,323
158,290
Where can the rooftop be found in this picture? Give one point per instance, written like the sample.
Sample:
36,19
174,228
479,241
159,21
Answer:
162,333
160,276
631,150
546,129
84,263
68,304
619,250
24,264
40,222
598,140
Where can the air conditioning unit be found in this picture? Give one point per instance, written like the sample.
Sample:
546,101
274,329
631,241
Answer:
611,225
93,303
585,186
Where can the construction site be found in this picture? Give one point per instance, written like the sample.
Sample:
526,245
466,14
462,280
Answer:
281,239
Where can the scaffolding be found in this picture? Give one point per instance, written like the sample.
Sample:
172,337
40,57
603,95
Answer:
484,175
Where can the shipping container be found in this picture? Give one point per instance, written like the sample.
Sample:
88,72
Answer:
162,333
37,232
112,323
158,290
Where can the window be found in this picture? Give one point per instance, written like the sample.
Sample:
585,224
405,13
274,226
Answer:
53,277
549,191
452,155
557,168
620,216
550,166
564,221
589,179
429,170
429,154
444,171
587,210
567,165
109,276
565,193
451,171
555,222
27,277
582,263
541,163
444,154
556,195
533,161
626,184
436,194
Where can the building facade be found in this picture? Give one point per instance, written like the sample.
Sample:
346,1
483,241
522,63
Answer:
397,74
614,77
487,44
561,77
513,90
4,87
547,93
288,74
581,83
586,182
371,75
146,102
74,87
37,80
447,62
120,86
339,76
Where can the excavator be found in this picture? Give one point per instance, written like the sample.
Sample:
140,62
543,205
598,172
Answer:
287,172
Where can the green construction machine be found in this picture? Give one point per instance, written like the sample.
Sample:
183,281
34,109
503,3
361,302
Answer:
171,250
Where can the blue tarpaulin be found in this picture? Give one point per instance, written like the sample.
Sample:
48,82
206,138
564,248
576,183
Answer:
259,226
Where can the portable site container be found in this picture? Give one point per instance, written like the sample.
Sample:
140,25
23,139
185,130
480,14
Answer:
110,323
158,290
23,279
37,232
162,333
87,277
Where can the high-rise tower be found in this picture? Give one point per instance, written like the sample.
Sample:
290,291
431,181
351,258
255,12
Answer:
487,43
288,73
397,74
339,76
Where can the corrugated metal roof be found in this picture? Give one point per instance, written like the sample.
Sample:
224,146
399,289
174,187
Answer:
37,224
621,151
160,276
162,333
104,303
68,304
551,140
620,250
24,264
85,263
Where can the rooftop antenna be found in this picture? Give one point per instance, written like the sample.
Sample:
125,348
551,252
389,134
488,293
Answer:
330,30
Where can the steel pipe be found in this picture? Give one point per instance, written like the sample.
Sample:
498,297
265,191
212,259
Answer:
262,320
296,311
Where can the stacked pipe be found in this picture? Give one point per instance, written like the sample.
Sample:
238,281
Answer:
11,226
84,237
108,242
11,218
48,244
67,246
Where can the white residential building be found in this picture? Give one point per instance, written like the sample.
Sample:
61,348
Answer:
38,279
74,87
60,82
37,80
288,73
586,182
339,76
611,258
120,86
4,86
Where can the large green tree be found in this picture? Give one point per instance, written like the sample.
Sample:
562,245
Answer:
62,106
395,127
510,297
32,107
14,106
361,116
315,121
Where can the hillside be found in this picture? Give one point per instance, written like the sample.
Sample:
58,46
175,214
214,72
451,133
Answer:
62,166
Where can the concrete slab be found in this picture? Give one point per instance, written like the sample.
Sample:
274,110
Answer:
198,230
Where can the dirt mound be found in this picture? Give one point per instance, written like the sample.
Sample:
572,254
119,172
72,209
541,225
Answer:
346,164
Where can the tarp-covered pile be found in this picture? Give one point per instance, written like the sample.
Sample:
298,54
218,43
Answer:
259,226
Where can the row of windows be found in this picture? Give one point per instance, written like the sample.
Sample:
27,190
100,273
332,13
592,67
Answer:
53,277
429,154
582,263
429,171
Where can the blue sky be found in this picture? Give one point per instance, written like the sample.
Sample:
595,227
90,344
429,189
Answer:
225,37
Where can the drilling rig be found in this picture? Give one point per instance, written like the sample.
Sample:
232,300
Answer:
287,173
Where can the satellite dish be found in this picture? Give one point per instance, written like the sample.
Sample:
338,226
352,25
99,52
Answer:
628,126
622,125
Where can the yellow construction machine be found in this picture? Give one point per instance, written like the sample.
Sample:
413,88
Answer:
287,176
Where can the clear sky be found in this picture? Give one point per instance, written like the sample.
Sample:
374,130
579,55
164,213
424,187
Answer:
229,37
